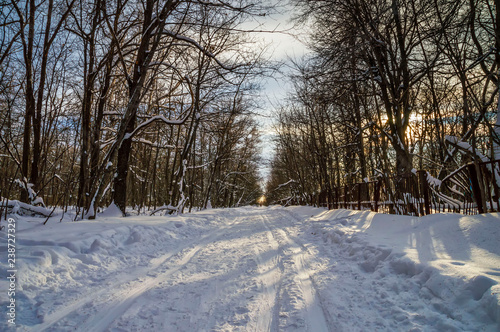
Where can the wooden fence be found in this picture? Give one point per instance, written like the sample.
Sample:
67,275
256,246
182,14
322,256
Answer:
472,189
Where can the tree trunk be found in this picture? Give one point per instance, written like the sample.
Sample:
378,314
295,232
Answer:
30,99
122,165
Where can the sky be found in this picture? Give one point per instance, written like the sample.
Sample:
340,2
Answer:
284,46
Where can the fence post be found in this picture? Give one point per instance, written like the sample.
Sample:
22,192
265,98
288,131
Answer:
475,187
345,197
424,191
328,199
376,194
359,195
336,200
494,167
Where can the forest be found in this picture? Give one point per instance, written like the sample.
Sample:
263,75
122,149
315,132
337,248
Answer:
145,103
153,104
392,88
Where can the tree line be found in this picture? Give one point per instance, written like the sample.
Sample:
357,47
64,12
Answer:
144,103
391,86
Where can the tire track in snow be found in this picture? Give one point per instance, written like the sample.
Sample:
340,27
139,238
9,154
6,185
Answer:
302,309
331,322
86,299
119,304
229,286
270,277
119,297
123,300
286,299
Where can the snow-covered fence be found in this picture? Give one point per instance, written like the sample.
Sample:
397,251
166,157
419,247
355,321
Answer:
471,189
401,194
485,185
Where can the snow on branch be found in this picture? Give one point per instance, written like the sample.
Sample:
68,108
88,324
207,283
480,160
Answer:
154,119
164,207
162,118
32,195
156,145
17,207
201,166
285,184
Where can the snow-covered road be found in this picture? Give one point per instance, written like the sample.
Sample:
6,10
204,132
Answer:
249,273
250,269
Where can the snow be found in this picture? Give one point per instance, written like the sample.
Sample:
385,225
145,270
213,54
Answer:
18,207
23,184
434,181
256,269
112,211
466,147
158,118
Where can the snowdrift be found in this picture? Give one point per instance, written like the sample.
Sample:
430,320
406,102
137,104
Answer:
373,271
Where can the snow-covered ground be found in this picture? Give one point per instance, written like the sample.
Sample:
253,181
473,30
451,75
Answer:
256,269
